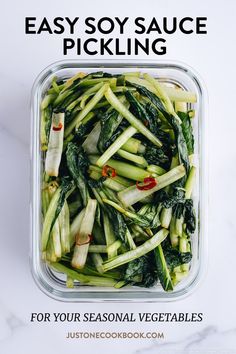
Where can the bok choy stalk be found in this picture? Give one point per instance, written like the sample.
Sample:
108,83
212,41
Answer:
134,146
90,143
121,180
141,220
140,251
113,100
166,213
84,279
108,182
132,195
64,224
109,235
55,145
178,95
75,226
124,169
54,209
83,238
116,145
89,106
98,262
97,249
82,99
160,92
139,160
162,269
54,245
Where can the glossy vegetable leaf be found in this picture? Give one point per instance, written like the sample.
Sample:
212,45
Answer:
162,269
147,116
187,131
142,271
189,217
110,121
180,143
78,163
173,257
156,156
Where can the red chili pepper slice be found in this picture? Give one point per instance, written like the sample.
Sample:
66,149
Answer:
151,182
108,171
56,129
90,238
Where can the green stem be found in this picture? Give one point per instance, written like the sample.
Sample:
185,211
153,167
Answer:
84,279
132,157
97,249
89,106
116,145
190,182
140,251
114,101
132,195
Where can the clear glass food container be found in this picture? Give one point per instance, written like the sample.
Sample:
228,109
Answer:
53,283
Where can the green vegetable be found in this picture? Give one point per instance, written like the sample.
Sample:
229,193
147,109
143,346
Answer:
113,100
54,209
55,145
118,177
140,251
142,271
144,113
180,143
85,231
124,169
110,121
161,93
162,269
64,224
77,163
132,195
136,218
89,106
116,145
139,160
84,279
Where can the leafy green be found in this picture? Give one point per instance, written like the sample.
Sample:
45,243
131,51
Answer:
118,224
187,131
180,140
147,116
142,271
156,156
65,188
78,164
153,98
189,217
180,143
168,201
152,213
55,207
162,269
129,123
110,121
173,257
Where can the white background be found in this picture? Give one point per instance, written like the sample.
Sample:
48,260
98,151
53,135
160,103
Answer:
22,58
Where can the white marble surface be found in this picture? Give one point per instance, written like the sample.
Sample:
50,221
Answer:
22,58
